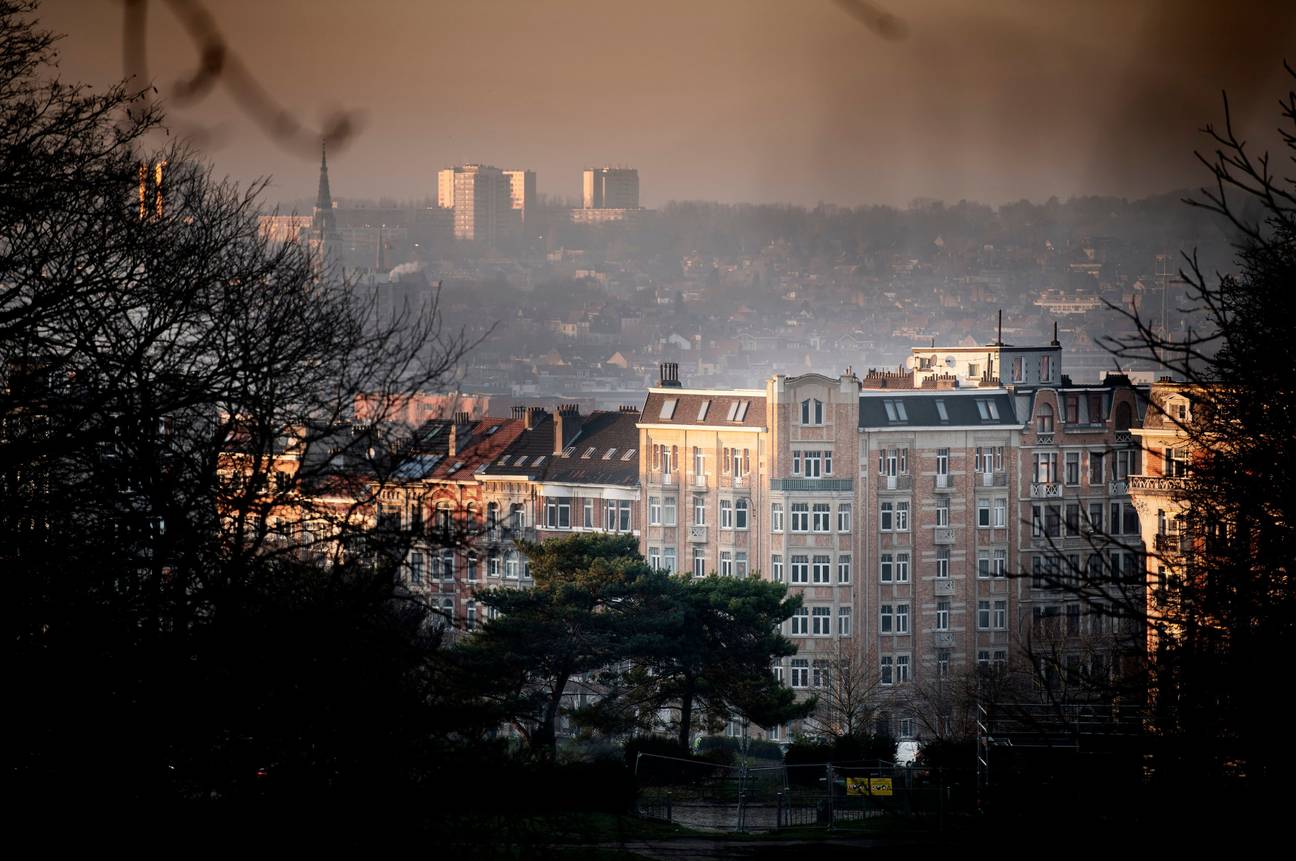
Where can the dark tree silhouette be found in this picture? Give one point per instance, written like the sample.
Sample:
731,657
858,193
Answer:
1222,602
200,605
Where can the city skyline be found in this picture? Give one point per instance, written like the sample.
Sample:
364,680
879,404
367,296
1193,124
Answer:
735,103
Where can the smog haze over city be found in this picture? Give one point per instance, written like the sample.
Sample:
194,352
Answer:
600,429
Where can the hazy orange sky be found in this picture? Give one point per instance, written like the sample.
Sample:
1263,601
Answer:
733,100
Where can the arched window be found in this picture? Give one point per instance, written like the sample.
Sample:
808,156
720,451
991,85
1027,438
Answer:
1044,419
812,412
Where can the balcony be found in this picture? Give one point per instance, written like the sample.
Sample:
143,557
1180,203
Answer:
812,485
740,481
662,479
943,481
994,479
1084,427
944,639
1044,438
1046,490
943,586
1156,483
1118,488
699,479
698,534
897,482
943,535
1124,437
1171,543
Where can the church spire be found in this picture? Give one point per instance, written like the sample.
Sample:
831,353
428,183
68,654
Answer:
324,200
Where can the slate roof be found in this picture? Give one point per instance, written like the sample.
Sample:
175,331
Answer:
476,444
720,406
528,454
902,408
612,436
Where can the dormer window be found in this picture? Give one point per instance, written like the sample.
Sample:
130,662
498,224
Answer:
812,412
988,410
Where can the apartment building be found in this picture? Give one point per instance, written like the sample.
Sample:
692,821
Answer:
703,470
1081,545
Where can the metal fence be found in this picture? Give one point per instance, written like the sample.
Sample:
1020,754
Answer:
765,796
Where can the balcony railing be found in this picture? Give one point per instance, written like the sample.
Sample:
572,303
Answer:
943,481
1044,438
944,638
662,479
994,479
1045,490
816,485
1156,483
1084,427
944,535
897,482
943,586
698,534
740,481
1124,436
699,479
1118,487
1170,543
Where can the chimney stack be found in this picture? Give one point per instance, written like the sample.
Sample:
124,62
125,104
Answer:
566,423
452,445
461,418
1055,340
532,417
670,375
519,412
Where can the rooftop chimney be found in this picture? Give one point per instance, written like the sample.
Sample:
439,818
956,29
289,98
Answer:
533,417
1055,340
461,418
670,374
566,423
452,445
519,412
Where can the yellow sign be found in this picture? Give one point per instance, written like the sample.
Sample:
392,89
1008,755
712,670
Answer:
868,786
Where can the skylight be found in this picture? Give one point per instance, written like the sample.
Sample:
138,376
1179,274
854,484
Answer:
607,455
668,408
629,454
702,410
589,452
941,411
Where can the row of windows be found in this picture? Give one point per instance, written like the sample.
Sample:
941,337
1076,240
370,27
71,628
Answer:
733,461
1058,571
1103,466
817,622
733,563
811,569
1053,521
441,566
811,517
616,514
